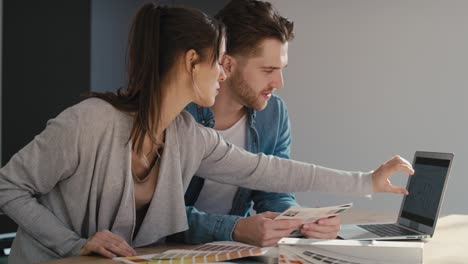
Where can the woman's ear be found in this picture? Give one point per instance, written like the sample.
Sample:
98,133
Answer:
191,60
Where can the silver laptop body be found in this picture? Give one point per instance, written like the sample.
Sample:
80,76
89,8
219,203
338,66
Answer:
419,210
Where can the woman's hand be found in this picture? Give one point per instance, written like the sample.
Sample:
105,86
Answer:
107,244
380,181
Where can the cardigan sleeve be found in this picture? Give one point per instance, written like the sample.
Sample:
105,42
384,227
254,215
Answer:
225,163
49,158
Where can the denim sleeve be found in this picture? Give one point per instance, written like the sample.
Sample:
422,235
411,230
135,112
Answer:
272,202
277,202
204,228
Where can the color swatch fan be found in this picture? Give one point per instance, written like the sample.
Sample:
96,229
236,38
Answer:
206,253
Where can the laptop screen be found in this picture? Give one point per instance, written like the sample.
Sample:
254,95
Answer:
425,190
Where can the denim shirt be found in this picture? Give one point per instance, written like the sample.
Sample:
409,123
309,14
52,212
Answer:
268,132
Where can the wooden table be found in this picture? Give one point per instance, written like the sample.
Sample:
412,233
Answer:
449,244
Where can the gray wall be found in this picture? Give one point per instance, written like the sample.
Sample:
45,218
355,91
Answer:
110,24
369,79
366,80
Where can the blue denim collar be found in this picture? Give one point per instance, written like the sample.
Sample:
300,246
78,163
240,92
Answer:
205,116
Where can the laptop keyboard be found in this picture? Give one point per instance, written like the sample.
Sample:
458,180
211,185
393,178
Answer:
385,230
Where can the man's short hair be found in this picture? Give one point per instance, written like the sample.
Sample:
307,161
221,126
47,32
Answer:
249,22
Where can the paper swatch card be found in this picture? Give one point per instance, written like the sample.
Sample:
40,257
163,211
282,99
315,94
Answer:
313,214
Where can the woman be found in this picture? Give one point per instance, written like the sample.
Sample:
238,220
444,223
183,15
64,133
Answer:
109,173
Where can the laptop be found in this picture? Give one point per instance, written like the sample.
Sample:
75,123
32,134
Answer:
419,209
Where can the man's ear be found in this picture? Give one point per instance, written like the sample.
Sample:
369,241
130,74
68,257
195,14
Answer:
229,64
191,60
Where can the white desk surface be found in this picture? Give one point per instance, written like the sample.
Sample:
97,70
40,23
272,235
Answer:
449,244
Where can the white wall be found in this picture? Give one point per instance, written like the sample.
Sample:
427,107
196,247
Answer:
368,79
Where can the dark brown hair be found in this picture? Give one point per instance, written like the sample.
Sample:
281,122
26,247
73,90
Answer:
157,37
248,22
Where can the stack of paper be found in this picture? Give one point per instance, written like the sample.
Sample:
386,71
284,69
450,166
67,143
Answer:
294,250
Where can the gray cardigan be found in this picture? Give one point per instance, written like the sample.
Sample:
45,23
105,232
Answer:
74,179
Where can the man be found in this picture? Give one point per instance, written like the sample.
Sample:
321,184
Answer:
249,115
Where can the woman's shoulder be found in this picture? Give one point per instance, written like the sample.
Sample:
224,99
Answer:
194,140
92,113
185,119
92,109
187,122
188,127
94,106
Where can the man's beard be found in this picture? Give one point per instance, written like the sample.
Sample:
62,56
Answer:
245,94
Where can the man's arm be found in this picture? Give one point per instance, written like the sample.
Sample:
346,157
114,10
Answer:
261,229
204,228
277,202
272,202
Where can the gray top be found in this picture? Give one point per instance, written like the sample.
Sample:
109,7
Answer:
74,179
